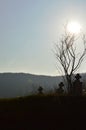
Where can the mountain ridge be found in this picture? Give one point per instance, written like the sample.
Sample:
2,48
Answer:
22,84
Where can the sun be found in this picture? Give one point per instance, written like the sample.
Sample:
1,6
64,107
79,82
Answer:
74,27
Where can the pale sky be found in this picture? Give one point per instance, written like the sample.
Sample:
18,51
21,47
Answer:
28,30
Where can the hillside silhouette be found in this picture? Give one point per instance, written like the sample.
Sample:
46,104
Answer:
43,112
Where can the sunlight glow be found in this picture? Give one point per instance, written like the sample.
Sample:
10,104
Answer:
74,27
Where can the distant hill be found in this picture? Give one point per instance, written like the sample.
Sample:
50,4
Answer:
21,84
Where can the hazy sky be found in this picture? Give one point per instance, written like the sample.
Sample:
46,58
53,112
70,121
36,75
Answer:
28,30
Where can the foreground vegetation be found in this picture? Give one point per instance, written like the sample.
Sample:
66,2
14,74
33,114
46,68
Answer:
41,111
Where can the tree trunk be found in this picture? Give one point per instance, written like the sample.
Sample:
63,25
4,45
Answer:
69,83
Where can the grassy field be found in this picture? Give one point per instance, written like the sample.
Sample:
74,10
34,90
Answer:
47,112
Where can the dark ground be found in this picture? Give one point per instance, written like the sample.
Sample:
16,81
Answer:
43,112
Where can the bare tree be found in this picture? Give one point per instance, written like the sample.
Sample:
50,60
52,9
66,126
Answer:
68,56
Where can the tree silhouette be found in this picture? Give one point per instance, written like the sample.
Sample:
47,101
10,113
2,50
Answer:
40,90
60,90
77,86
68,56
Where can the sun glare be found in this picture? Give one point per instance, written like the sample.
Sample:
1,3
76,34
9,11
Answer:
74,27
